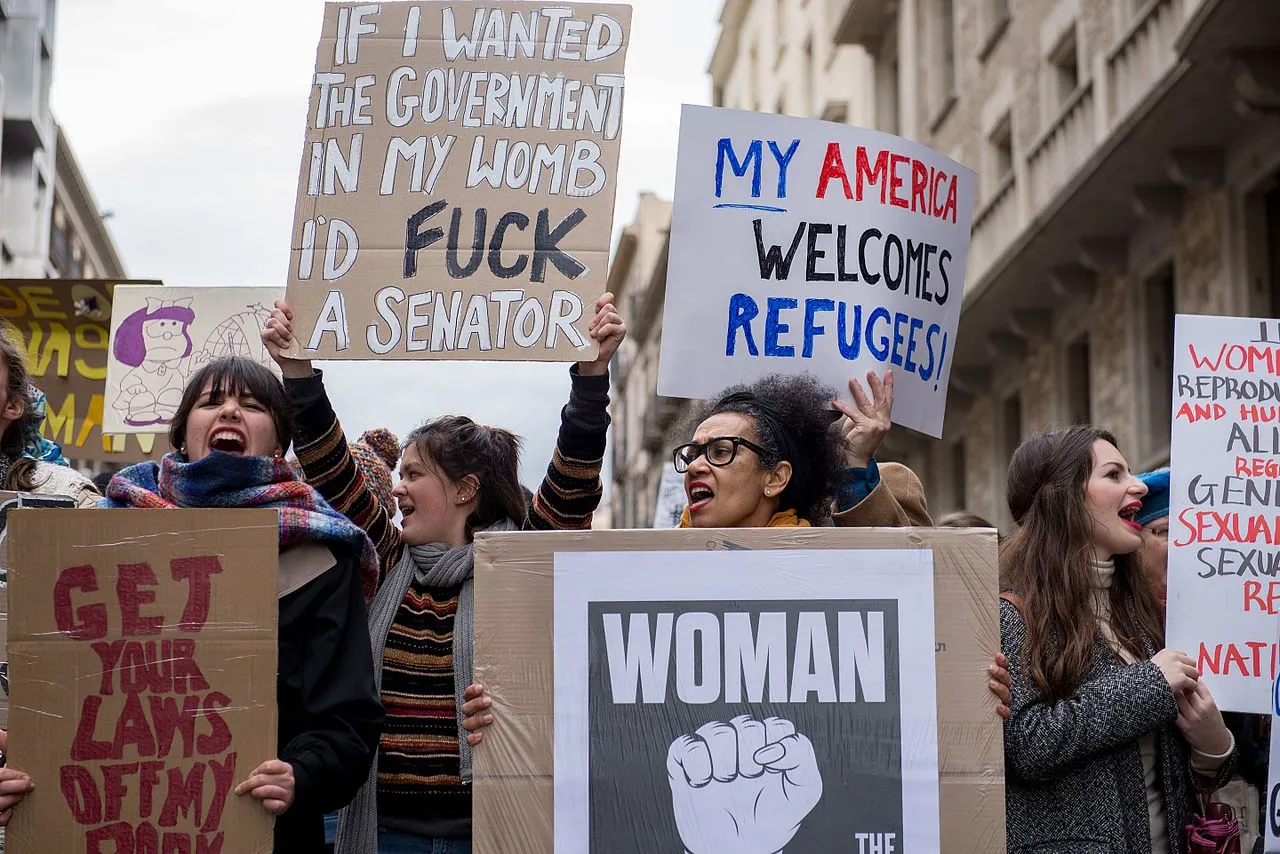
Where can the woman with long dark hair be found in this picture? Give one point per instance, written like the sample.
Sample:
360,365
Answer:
1110,733
28,461
229,435
457,478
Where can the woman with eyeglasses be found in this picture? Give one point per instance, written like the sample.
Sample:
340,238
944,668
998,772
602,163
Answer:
767,455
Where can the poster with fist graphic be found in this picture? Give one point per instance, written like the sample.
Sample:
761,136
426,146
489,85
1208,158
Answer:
727,703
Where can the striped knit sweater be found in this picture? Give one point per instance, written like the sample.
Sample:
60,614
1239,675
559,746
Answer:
419,786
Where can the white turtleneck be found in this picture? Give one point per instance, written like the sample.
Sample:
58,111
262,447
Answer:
1202,763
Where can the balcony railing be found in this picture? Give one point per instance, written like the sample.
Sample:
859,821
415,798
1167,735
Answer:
1063,148
1143,56
994,227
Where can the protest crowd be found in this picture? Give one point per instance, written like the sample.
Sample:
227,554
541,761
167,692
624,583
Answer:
1108,735
1101,733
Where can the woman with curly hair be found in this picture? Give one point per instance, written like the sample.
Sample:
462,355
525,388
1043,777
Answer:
1108,732
769,455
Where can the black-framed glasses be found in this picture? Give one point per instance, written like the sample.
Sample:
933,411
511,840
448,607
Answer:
719,451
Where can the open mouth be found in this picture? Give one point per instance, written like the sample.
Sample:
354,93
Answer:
227,441
699,496
406,510
1129,512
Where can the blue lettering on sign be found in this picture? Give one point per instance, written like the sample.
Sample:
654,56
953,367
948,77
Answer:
773,327
896,338
724,151
753,162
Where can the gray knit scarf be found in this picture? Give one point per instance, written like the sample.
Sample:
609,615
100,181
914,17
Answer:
438,567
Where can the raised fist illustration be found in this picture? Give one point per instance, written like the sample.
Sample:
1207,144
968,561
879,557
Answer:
742,787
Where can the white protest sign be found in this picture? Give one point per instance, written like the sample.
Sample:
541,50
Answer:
802,246
160,336
1271,804
1224,533
734,659
671,499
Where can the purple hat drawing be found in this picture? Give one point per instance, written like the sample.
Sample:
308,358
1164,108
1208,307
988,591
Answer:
129,345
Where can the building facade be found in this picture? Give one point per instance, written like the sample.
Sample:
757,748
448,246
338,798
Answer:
641,419
1128,162
771,56
27,137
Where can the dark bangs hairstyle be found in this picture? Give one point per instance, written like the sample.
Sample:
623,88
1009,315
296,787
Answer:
455,446
1048,562
22,470
794,421
234,375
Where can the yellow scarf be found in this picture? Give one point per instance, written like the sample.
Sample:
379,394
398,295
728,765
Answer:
785,519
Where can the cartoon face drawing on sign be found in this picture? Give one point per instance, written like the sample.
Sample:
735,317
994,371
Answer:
156,343
240,335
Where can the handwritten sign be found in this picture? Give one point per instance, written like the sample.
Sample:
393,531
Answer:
160,336
458,177
64,326
1224,536
1271,805
142,653
800,246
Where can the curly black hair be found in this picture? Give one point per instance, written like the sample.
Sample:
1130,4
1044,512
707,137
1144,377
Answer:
800,406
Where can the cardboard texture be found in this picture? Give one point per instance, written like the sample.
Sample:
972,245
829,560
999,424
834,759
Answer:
64,325
456,193
803,246
143,672
160,336
515,801
10,501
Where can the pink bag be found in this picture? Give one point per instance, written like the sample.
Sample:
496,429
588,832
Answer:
1215,832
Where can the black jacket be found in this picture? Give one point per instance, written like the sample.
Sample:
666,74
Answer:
330,714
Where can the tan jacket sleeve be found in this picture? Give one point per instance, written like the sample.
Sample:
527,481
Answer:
897,502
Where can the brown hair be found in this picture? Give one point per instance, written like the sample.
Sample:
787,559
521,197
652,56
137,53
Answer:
22,470
234,375
1048,562
457,446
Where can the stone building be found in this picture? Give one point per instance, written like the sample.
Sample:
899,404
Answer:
27,136
641,419
771,56
1128,161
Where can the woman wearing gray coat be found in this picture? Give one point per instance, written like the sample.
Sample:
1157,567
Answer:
1108,739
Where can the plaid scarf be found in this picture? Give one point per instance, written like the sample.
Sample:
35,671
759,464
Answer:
231,480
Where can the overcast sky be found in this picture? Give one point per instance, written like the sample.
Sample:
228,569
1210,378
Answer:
187,118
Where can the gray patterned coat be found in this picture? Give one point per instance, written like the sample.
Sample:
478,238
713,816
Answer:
1073,768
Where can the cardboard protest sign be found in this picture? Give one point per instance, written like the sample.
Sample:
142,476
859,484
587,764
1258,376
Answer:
694,691
160,336
456,192
801,246
64,326
1224,491
12,501
143,673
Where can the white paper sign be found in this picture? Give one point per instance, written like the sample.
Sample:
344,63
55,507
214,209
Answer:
1224,533
804,246
1271,805
671,499
728,703
160,336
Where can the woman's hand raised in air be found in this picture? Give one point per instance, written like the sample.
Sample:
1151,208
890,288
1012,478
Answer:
278,336
608,328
